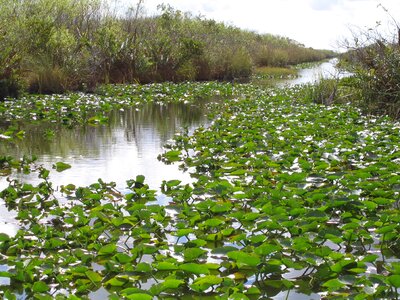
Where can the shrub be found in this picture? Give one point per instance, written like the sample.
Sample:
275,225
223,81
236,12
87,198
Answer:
59,45
376,68
48,80
9,87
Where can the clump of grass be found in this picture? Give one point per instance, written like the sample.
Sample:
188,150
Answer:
275,72
331,91
323,91
48,80
265,76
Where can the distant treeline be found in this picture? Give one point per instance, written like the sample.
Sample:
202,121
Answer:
50,46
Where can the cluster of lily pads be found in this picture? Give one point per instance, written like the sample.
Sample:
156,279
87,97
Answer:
288,196
79,108
307,194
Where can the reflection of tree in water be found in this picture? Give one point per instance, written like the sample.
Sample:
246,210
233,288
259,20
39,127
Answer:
157,121
152,122
64,142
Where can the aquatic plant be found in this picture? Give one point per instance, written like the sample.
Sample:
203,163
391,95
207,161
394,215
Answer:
78,108
289,196
315,186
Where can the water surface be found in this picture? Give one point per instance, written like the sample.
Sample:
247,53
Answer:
127,146
314,74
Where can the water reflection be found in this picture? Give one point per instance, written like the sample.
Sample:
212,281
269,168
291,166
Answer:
325,70
127,146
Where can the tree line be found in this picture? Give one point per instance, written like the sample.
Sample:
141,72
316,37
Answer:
51,46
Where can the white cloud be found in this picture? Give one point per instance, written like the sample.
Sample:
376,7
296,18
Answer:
208,8
323,4
315,23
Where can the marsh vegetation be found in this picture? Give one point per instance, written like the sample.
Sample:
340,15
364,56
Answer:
51,46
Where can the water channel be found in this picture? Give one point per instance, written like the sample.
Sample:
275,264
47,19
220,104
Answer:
127,146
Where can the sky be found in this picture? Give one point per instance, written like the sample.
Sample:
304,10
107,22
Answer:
321,24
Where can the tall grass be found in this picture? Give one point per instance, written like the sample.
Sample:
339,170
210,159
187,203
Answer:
57,45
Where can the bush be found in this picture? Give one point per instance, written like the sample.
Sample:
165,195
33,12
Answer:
375,63
378,77
240,65
9,87
60,45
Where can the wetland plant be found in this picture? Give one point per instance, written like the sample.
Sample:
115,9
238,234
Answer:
289,196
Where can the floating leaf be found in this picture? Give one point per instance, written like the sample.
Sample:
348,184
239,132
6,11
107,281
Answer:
213,222
195,268
386,229
172,283
221,207
253,291
107,249
5,274
40,287
394,281
184,232
4,237
193,253
333,284
140,179
173,183
121,257
143,267
115,282
203,283
61,166
94,276
267,249
139,296
173,155
165,266
244,259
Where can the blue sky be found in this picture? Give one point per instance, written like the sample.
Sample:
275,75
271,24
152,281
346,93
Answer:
315,23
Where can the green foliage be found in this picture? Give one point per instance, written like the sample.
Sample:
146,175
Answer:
53,46
94,108
288,195
375,64
10,54
323,91
265,76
